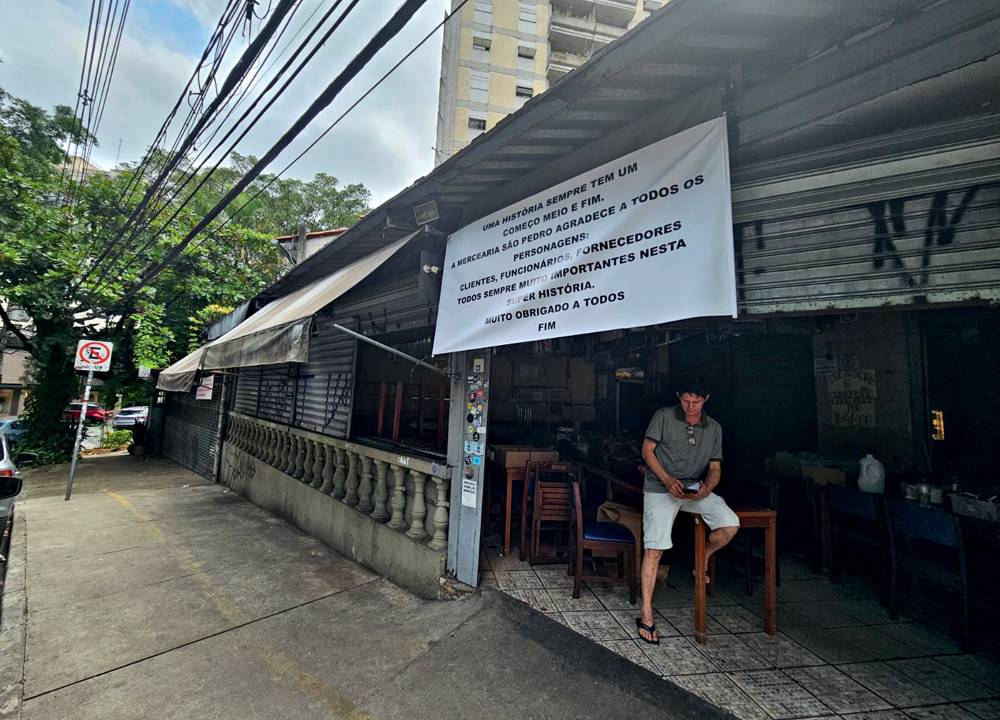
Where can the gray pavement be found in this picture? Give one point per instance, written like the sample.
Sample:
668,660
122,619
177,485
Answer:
153,594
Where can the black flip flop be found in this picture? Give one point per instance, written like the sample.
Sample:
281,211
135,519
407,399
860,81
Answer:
648,628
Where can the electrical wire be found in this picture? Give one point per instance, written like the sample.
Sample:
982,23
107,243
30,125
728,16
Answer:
388,31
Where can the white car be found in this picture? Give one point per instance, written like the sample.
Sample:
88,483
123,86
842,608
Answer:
10,480
129,417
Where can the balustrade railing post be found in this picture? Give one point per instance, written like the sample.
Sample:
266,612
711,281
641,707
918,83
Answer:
300,457
317,472
418,510
365,485
398,502
291,448
254,434
440,519
307,461
351,498
380,512
269,446
340,475
329,455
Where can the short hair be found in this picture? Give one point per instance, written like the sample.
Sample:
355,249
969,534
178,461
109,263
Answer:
693,385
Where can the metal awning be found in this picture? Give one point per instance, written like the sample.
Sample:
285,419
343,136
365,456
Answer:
278,332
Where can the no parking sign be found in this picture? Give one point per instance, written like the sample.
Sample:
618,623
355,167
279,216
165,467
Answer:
93,355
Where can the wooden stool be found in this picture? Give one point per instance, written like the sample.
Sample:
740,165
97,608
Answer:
749,518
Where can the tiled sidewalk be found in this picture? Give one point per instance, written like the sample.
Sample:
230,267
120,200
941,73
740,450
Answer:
837,652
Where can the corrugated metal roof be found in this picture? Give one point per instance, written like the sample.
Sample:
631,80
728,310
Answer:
691,60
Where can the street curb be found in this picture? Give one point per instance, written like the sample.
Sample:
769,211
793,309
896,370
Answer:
13,622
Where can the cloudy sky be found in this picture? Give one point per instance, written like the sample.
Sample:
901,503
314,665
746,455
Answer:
386,142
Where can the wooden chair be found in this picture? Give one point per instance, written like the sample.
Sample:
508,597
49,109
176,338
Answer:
601,536
558,508
927,553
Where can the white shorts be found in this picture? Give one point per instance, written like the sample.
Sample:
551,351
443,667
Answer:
660,509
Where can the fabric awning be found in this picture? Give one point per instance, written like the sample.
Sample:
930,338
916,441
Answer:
278,332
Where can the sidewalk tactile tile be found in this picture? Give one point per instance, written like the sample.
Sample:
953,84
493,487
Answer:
554,577
517,580
536,598
978,668
736,619
940,712
563,601
730,653
984,709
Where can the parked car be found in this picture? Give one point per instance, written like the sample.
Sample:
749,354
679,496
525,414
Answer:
95,413
10,482
12,430
130,417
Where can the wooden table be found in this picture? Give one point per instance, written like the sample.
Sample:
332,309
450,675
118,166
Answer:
749,518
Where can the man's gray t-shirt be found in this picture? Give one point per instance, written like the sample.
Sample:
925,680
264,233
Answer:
682,460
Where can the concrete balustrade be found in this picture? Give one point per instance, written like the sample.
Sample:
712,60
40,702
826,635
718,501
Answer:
390,489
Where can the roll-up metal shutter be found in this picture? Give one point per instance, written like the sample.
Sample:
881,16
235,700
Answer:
276,394
325,384
942,247
913,219
388,308
189,430
247,389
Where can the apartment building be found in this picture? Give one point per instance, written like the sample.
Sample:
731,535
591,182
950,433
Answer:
498,54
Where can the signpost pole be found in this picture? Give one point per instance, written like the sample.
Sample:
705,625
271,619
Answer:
79,433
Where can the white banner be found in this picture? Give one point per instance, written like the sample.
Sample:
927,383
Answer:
644,239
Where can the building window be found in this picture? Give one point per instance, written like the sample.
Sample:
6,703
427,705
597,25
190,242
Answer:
484,12
477,126
527,16
526,58
481,48
479,85
523,92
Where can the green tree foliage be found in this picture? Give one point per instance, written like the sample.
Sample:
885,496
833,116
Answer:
47,245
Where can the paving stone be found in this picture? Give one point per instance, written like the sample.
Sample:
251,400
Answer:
826,644
878,715
892,685
614,597
940,712
984,709
599,625
630,650
517,580
737,619
977,667
554,577
682,618
626,618
720,690
945,681
779,695
537,598
836,690
923,638
827,614
730,653
563,601
780,650
678,656
879,644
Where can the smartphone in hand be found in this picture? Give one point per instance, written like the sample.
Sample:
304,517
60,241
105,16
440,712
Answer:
692,487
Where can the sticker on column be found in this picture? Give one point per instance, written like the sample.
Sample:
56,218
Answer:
468,492
477,460
479,365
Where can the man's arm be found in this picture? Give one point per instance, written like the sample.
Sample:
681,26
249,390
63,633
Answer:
673,485
711,480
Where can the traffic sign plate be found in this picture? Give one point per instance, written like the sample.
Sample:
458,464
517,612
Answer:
93,355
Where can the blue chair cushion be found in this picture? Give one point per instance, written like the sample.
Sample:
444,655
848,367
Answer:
606,532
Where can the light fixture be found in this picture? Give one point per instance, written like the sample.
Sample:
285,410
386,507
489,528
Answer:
426,212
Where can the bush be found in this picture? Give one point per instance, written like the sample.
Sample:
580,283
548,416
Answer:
117,439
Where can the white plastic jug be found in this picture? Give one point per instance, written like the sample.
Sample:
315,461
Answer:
872,477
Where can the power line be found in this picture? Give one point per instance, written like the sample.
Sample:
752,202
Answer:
336,122
206,176
384,35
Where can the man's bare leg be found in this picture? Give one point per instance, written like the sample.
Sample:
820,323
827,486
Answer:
650,565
